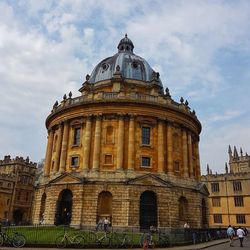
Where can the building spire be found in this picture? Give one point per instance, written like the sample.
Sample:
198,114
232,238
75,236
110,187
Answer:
235,155
226,168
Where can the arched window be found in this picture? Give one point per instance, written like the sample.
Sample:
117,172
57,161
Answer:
148,210
203,213
104,207
42,208
64,208
183,209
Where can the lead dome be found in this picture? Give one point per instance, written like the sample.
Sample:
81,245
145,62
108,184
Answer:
130,65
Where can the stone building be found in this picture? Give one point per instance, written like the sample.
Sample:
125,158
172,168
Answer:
124,150
17,177
229,200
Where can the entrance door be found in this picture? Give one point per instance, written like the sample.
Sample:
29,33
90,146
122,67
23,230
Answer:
17,216
64,208
148,210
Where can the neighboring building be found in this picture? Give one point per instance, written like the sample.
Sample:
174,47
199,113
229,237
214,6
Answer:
229,200
17,178
124,150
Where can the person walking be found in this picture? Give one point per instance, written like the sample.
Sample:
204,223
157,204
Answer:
240,233
106,224
230,234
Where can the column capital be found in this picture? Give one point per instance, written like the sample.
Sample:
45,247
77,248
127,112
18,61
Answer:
98,116
161,119
132,116
121,116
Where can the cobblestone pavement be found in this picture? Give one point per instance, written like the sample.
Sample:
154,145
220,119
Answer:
215,245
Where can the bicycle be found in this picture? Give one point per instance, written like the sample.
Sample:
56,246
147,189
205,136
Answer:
16,240
102,239
123,240
162,240
64,240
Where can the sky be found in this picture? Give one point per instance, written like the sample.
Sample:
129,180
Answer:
200,48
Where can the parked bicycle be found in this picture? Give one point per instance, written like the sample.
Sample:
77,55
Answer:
77,240
103,239
16,239
123,240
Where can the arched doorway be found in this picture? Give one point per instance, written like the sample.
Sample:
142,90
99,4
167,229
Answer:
17,216
148,210
64,208
204,213
42,209
183,210
104,206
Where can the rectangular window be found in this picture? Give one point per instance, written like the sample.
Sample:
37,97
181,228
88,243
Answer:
145,136
237,186
145,161
240,218
74,161
217,218
238,201
19,195
8,201
176,166
216,202
215,187
108,159
77,134
27,196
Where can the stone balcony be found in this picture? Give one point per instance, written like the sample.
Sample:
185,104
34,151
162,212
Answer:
136,97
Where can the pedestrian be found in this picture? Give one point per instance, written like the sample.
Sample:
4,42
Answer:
99,224
106,224
230,234
240,233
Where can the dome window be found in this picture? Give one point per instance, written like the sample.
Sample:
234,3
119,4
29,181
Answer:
135,65
105,67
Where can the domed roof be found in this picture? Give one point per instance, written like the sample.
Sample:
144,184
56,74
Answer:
127,63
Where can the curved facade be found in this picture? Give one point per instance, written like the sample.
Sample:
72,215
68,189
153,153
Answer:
123,149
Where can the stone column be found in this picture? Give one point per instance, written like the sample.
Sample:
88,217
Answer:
87,144
120,142
190,155
131,143
97,143
198,168
170,148
58,149
64,147
160,147
185,153
49,152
